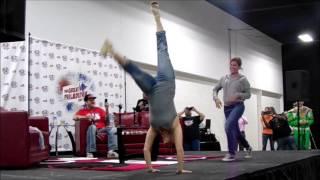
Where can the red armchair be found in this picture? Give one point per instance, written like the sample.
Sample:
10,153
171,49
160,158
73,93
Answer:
19,147
131,137
134,133
81,137
101,138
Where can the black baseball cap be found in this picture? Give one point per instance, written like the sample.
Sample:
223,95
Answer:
89,96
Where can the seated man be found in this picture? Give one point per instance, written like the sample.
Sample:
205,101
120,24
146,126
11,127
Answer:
142,104
191,132
97,116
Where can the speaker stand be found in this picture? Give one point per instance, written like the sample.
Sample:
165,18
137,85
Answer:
298,116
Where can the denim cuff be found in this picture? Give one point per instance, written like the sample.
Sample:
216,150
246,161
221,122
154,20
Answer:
160,33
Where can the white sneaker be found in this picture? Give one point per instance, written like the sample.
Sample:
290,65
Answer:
248,153
112,154
228,158
90,155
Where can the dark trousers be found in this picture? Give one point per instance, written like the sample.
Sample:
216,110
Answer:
241,147
193,145
265,138
232,114
286,143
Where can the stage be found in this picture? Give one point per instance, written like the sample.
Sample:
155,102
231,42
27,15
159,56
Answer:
263,165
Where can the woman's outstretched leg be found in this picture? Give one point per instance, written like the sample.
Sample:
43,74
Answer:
144,80
165,71
156,14
107,49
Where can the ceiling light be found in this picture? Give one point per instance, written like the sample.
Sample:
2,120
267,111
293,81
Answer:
305,37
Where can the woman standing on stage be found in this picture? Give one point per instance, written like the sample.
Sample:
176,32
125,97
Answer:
236,89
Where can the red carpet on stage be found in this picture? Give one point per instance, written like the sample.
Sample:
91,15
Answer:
93,164
102,166
189,157
113,164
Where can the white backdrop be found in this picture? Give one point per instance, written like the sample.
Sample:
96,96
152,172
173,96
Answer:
60,76
14,78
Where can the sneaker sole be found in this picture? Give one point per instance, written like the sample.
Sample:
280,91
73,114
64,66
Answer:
228,160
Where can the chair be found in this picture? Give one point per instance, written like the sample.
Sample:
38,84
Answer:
132,134
208,141
101,138
81,138
19,147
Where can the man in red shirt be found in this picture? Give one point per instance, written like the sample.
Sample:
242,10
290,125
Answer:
97,116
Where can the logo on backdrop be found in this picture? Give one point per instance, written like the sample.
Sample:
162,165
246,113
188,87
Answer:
72,87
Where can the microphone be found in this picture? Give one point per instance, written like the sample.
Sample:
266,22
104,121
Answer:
106,102
120,106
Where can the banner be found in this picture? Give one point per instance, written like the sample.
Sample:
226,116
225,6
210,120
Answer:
60,76
14,76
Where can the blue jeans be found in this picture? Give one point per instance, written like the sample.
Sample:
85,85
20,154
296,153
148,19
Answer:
165,71
286,143
112,137
91,138
265,138
193,145
233,114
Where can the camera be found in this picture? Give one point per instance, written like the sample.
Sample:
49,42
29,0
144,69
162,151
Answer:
189,108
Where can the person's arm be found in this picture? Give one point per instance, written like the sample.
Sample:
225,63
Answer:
262,121
309,117
280,116
177,139
138,105
245,121
180,114
246,93
308,120
151,135
202,116
216,90
271,124
103,116
78,116
113,118
292,120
